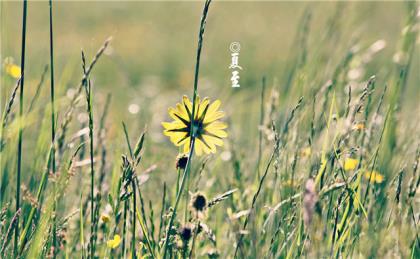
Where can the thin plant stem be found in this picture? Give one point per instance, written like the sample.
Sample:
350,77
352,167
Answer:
260,133
41,188
162,211
6,113
197,63
88,90
52,126
38,89
92,173
196,229
133,223
124,227
177,181
126,205
186,199
20,138
178,198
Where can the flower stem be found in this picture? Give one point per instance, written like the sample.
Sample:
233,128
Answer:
178,197
20,138
52,126
177,181
187,190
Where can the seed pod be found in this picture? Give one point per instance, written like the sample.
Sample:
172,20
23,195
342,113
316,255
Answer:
198,204
181,161
185,233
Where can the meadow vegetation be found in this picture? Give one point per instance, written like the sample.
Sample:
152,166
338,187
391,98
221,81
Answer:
137,146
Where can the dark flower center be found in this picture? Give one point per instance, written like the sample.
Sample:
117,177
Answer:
185,233
199,202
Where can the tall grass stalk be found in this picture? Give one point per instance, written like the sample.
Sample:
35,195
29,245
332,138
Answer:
75,99
54,231
81,228
38,89
88,90
126,205
6,113
41,188
20,138
260,132
279,143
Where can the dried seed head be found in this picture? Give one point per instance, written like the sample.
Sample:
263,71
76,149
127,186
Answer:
198,202
181,161
212,253
185,233
105,218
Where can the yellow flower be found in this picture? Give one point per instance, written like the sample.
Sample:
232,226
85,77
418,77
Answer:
359,126
105,218
207,130
12,69
375,178
350,164
115,242
305,152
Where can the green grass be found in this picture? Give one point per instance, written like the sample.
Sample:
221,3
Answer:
320,85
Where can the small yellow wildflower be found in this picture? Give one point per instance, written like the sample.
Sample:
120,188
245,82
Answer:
359,126
305,152
115,242
375,178
105,218
12,69
350,164
207,130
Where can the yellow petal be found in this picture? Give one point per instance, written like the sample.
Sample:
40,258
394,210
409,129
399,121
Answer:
187,103
214,106
379,178
210,143
176,115
305,152
202,107
115,242
204,146
374,176
173,125
182,111
212,116
198,146
212,113
217,132
13,70
350,164
213,140
359,126
187,145
217,125
177,138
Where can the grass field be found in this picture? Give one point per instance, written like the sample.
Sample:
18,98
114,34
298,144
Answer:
110,149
